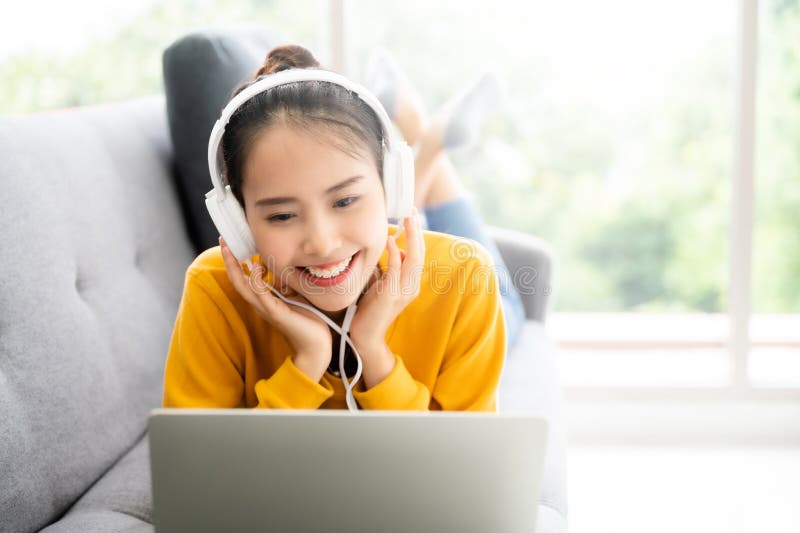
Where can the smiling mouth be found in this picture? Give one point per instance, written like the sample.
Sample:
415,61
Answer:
334,276
328,270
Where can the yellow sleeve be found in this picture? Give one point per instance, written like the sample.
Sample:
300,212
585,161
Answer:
398,391
471,369
473,363
201,370
289,388
205,361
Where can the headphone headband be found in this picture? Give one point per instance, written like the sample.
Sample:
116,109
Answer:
285,77
229,216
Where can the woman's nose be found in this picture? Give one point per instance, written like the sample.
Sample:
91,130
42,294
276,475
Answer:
322,238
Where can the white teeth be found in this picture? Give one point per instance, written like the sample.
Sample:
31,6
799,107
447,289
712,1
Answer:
331,272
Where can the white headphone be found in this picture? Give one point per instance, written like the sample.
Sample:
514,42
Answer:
229,217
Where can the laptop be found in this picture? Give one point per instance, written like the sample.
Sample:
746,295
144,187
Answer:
288,471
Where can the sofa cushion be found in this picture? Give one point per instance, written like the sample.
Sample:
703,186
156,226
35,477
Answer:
93,266
120,501
200,71
100,521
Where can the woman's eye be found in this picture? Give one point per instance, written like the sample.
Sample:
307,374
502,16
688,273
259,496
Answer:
283,217
344,202
279,218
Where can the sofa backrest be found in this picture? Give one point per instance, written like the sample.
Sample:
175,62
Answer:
94,254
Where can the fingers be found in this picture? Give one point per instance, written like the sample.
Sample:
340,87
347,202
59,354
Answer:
395,265
415,255
232,266
252,290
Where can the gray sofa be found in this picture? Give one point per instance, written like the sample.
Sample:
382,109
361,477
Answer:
93,266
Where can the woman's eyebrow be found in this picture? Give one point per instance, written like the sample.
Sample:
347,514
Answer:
343,184
275,200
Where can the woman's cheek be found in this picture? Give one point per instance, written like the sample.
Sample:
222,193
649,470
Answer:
275,258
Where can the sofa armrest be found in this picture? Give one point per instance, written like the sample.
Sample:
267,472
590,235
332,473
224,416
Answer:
531,264
530,384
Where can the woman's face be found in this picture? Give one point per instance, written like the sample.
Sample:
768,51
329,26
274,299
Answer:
308,203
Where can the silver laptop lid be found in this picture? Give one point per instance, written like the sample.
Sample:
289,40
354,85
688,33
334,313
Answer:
219,470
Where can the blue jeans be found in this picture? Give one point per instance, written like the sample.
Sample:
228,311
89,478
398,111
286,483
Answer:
460,217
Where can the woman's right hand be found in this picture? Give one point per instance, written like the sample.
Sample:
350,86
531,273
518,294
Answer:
308,334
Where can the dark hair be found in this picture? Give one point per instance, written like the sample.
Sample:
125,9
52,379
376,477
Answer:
348,122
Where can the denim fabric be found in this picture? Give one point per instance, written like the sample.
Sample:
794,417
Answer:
460,217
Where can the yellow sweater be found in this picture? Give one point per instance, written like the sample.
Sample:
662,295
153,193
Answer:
449,342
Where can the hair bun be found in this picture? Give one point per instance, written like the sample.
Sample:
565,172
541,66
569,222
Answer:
287,56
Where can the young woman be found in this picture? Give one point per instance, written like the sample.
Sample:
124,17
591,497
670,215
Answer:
304,160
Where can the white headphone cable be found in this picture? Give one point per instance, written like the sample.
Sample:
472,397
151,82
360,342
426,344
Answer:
343,333
348,385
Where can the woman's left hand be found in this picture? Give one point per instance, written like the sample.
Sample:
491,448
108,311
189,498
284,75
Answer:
392,292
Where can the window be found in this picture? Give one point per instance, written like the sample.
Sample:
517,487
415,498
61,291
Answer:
625,144
775,328
622,148
90,51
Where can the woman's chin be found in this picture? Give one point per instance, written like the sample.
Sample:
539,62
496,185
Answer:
332,308
332,305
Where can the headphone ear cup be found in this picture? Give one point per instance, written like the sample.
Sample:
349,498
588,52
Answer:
229,219
398,181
